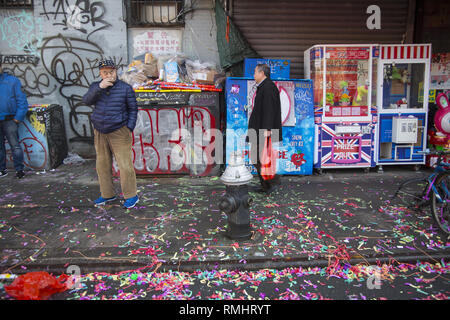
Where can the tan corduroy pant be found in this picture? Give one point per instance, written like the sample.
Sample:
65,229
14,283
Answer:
119,144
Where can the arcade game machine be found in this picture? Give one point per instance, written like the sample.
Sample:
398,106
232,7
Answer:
402,100
344,105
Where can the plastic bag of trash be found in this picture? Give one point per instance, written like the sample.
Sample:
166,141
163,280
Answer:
201,72
73,158
134,77
36,286
172,67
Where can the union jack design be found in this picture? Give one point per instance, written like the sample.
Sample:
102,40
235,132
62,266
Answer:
345,150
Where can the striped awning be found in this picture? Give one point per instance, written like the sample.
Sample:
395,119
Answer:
407,51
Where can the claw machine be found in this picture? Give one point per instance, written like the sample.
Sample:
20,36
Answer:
344,106
402,100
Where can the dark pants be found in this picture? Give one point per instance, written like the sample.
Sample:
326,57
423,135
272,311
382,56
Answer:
9,129
256,152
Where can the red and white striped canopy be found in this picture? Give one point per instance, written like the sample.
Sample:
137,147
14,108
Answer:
407,51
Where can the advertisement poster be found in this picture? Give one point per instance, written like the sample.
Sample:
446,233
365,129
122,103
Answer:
440,71
296,153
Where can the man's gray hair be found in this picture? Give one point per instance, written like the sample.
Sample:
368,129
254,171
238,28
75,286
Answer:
264,68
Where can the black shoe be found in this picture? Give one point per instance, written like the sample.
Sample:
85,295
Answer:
257,189
20,174
272,188
3,173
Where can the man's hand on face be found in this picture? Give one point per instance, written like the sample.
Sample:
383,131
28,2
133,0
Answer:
107,82
109,76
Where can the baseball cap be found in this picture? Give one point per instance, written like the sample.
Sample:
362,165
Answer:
106,64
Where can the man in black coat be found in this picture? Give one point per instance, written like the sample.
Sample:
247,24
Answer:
264,122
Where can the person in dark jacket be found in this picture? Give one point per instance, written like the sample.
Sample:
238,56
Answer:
265,121
13,109
114,119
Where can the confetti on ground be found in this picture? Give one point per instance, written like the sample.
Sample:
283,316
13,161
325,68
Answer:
422,280
177,221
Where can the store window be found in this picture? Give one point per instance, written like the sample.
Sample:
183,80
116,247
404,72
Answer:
12,4
403,85
152,13
347,73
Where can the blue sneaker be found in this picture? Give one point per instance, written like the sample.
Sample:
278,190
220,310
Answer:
131,202
102,201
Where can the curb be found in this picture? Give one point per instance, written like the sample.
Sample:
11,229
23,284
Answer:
116,265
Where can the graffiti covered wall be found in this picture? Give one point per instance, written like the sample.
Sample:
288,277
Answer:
177,133
54,49
42,138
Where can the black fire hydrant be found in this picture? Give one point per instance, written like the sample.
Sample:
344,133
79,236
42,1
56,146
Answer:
236,202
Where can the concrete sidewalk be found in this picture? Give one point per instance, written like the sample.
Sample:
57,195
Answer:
48,223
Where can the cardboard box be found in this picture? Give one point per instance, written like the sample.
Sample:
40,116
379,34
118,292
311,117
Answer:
205,77
279,68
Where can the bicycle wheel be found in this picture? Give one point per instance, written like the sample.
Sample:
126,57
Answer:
411,192
440,203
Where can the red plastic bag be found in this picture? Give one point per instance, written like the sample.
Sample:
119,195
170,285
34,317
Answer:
36,286
268,160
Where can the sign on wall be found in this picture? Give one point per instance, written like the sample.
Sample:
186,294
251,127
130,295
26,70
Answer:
440,71
156,41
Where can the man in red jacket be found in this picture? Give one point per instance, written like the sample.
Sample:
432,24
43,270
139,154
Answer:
265,120
114,119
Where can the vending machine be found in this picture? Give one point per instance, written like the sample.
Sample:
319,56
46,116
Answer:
402,98
345,110
295,153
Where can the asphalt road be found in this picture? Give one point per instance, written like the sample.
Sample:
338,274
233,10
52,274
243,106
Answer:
341,225
394,281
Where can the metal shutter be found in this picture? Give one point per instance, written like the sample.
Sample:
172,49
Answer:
285,29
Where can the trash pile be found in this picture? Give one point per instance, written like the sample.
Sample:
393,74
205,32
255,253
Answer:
38,285
174,72
73,158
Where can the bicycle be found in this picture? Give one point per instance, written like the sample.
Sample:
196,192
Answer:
433,191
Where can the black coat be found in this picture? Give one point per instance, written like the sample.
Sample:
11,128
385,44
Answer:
266,112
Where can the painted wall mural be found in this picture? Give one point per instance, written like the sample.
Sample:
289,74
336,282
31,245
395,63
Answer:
54,50
42,138
83,16
22,32
180,138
